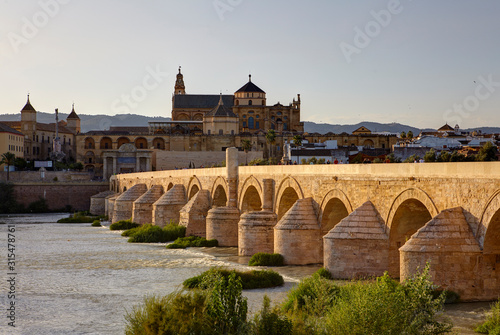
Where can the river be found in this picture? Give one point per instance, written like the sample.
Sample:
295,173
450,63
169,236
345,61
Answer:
77,279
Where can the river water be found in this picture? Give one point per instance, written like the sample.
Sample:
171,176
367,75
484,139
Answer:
77,279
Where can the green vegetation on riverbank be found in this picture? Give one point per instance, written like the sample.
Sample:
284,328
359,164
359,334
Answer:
315,306
123,225
192,241
82,217
149,233
265,259
492,324
250,279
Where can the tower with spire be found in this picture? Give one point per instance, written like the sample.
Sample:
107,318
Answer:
28,118
73,121
179,84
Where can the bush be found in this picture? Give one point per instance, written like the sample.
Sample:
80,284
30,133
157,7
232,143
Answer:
270,321
265,259
380,307
221,310
192,241
123,225
226,307
323,273
96,223
8,202
176,313
155,234
313,295
250,280
39,206
492,324
78,219
132,231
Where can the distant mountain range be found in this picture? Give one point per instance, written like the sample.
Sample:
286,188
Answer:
103,122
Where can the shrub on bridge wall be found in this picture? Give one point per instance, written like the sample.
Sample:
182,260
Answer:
192,241
266,259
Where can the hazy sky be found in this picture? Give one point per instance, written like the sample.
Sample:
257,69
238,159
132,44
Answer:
417,62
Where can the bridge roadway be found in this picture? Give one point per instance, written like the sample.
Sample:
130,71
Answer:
358,220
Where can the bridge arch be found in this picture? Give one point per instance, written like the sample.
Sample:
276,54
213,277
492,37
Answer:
334,207
410,194
194,186
219,192
410,211
488,232
250,195
288,192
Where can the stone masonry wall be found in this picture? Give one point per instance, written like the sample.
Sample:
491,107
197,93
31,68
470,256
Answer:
59,195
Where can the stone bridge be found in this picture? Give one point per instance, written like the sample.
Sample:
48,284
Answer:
358,220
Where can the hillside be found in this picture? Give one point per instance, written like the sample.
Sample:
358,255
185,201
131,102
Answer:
103,122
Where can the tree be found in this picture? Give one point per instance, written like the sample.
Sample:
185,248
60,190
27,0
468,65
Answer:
9,159
271,140
488,152
297,140
430,156
246,145
403,135
409,135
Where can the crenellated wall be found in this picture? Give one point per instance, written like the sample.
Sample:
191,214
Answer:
404,198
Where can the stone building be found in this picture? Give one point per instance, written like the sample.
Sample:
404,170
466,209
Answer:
11,140
39,137
212,123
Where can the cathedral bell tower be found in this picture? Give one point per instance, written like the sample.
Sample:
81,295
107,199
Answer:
179,84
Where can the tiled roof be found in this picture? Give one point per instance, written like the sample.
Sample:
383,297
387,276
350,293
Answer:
201,100
73,115
52,128
221,111
28,107
446,127
250,87
6,129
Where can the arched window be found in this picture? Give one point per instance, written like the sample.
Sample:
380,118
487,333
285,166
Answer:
250,102
257,125
244,124
250,122
284,126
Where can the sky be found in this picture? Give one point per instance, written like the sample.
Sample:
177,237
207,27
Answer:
417,62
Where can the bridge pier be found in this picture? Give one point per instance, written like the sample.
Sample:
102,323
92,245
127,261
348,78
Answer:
222,222
110,205
255,229
455,258
167,207
143,207
124,203
98,202
194,214
297,236
358,245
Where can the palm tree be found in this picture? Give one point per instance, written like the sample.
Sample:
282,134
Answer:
8,158
246,145
271,140
297,140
